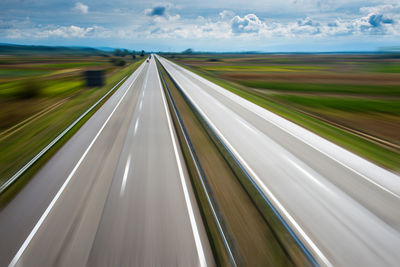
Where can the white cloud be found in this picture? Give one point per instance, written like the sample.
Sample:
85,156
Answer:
167,18
248,24
226,14
388,8
54,31
81,8
69,32
199,28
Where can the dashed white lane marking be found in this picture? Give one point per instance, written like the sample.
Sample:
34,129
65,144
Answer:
136,127
126,172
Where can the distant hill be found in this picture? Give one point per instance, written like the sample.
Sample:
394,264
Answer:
106,48
14,49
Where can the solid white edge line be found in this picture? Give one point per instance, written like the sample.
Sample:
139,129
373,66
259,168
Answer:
128,163
18,255
270,195
193,223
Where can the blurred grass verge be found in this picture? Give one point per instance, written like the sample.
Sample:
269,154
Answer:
356,110
32,120
255,234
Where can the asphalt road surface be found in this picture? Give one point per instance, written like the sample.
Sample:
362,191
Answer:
345,209
116,194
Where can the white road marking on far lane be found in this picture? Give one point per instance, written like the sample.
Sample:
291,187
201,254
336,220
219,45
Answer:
193,223
308,174
136,127
126,172
21,250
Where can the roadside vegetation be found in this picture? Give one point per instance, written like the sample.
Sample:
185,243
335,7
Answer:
40,95
352,100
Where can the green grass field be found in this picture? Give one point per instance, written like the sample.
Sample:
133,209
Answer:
386,68
275,68
371,106
6,73
357,89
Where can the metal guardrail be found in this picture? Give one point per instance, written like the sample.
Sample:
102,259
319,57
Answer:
199,169
21,171
306,252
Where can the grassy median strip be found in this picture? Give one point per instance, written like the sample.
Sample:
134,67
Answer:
352,116
17,149
255,235
220,254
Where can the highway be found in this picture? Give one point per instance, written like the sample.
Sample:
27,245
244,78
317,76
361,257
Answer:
344,209
116,194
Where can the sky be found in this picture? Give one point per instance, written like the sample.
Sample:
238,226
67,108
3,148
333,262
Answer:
205,25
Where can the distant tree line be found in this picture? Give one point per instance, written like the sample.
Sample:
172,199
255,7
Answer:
126,52
122,53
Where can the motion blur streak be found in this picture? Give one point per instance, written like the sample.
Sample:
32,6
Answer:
88,222
344,208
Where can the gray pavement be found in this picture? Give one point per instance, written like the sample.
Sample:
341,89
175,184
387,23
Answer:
116,194
343,208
